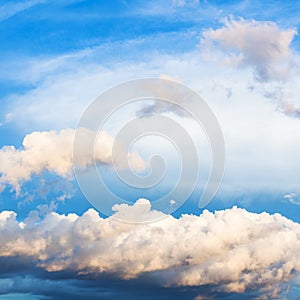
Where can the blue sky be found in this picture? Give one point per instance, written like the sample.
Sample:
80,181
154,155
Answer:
56,57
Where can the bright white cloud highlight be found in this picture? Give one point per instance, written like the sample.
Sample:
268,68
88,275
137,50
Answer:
232,249
260,140
259,44
52,151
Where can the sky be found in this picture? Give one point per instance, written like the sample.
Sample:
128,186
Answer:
61,235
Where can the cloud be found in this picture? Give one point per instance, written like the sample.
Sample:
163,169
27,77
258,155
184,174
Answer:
259,139
292,198
160,107
232,250
290,109
182,3
7,118
284,95
258,44
52,151
9,10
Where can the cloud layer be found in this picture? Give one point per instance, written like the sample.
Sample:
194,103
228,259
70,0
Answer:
259,44
233,250
52,151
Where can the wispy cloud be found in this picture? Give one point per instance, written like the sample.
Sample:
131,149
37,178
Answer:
10,9
7,118
181,3
292,198
290,109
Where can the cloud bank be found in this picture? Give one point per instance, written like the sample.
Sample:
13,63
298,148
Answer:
258,44
52,151
232,250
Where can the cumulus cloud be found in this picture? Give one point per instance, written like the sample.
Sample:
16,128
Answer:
52,151
258,44
233,250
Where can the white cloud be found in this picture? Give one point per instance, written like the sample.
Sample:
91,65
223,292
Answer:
7,119
292,198
182,3
9,10
72,88
260,140
259,44
52,151
232,249
290,109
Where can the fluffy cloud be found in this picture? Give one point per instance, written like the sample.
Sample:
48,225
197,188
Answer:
261,45
233,250
52,151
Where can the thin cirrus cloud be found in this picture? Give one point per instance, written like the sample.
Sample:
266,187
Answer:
182,3
52,151
231,250
262,45
9,10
